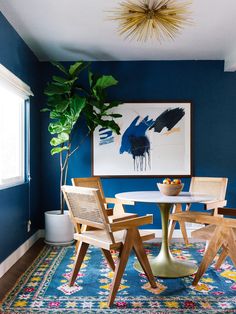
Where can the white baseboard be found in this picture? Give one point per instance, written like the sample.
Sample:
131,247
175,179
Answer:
18,253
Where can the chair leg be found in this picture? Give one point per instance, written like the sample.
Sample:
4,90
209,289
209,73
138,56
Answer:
80,229
212,249
109,258
178,209
120,267
143,260
184,232
222,257
231,244
83,247
77,245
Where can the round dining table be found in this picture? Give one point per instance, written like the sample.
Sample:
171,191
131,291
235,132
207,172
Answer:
164,264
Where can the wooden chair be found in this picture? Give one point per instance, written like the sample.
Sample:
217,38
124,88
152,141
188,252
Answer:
113,213
221,233
216,187
87,207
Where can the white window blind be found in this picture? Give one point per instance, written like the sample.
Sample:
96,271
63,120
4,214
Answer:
13,135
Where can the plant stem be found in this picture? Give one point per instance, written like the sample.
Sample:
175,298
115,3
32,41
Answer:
77,147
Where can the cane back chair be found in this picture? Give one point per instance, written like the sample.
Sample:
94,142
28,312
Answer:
114,213
87,207
221,233
215,187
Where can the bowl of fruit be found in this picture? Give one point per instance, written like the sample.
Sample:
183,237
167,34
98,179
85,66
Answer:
170,187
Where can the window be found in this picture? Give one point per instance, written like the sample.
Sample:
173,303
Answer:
13,135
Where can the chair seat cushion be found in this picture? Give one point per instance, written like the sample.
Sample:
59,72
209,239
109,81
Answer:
188,216
100,238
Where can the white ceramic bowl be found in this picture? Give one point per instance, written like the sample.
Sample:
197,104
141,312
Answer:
170,189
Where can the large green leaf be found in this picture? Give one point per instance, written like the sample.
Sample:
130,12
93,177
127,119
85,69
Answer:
105,81
56,150
110,124
61,138
77,67
59,79
62,105
77,105
53,89
56,127
54,114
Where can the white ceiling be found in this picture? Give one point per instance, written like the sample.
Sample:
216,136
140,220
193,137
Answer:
68,30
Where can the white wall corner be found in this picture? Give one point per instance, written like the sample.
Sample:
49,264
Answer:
230,62
18,253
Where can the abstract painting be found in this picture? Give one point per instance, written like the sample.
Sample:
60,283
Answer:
155,140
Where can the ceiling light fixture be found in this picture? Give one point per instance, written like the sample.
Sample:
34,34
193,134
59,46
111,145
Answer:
148,19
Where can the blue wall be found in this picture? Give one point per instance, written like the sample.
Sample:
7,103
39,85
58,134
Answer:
14,205
213,94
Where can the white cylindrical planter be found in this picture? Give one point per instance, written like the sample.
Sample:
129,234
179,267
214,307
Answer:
59,229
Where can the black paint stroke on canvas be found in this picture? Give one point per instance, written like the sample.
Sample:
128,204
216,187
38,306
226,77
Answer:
168,119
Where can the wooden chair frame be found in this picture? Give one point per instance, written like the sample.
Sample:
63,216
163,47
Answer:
128,225
183,216
221,233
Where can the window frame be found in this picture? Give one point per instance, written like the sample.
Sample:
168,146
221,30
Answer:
16,85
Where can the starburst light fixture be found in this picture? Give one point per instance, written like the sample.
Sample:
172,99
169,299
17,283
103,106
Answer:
148,19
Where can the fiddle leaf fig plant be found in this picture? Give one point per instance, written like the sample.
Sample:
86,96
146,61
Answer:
68,102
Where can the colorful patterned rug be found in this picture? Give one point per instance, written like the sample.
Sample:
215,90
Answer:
43,287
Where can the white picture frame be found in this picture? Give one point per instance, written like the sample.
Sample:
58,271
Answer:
154,140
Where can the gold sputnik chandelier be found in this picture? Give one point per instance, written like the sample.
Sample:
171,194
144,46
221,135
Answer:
147,19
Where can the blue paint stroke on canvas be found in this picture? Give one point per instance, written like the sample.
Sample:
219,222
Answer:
135,142
105,136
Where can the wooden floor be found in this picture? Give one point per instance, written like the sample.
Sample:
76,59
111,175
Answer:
9,279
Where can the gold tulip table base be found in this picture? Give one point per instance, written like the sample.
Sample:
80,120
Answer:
165,265
171,269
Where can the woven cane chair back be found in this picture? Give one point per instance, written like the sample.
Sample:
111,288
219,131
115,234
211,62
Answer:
86,207
215,187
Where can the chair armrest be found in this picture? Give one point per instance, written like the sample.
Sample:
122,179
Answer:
124,216
113,200
214,204
227,211
131,223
